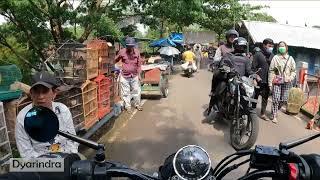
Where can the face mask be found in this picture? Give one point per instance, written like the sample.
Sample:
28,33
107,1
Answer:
282,50
270,49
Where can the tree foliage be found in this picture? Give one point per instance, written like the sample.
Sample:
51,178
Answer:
221,15
33,25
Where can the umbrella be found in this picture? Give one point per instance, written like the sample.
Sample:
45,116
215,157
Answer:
169,51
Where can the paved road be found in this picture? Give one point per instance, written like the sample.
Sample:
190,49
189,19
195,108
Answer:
165,125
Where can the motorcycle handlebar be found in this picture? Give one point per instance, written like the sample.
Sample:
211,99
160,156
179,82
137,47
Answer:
83,169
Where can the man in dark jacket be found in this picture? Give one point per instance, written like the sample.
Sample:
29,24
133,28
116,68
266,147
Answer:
261,62
236,60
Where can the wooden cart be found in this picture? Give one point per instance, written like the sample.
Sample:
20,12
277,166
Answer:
155,80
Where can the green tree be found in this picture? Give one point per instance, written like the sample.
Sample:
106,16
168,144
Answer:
33,25
221,15
174,14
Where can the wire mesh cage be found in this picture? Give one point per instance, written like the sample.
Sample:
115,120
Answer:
8,75
5,148
72,98
75,63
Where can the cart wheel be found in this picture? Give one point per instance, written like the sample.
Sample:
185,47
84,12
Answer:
164,86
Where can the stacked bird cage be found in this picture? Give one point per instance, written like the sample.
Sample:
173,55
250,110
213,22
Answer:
90,103
102,47
75,63
11,110
72,98
5,148
112,92
103,95
8,75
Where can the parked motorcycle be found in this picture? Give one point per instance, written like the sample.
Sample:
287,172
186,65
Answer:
233,102
188,163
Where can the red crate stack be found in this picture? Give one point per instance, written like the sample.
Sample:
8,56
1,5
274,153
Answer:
103,95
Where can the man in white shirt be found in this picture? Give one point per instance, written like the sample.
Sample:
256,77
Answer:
43,92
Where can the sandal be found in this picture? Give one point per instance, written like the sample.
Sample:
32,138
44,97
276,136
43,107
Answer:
139,108
310,125
264,117
274,120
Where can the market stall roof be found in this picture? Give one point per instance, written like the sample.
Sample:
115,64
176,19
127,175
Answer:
293,35
162,43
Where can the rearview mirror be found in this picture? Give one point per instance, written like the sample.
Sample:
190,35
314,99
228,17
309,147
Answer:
41,124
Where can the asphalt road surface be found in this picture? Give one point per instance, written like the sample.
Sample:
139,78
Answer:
144,140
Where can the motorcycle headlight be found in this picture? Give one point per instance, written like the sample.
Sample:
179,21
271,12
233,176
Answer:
192,162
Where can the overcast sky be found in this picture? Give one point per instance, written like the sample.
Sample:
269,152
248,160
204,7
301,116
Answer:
295,12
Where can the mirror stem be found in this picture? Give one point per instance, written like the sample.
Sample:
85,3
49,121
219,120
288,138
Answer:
297,142
86,142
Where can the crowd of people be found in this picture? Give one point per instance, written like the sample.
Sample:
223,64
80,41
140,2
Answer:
276,73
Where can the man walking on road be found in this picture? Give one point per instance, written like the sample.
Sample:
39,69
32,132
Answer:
130,74
198,52
261,62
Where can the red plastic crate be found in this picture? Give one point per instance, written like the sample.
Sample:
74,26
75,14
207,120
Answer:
103,95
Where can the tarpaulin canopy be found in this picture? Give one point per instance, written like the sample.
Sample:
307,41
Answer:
176,38
163,42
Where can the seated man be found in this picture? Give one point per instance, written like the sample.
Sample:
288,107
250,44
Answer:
43,92
188,57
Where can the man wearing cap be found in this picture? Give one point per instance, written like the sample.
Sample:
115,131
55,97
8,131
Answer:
261,61
43,92
130,74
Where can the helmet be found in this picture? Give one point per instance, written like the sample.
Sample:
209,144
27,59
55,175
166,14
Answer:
240,41
240,44
231,32
192,162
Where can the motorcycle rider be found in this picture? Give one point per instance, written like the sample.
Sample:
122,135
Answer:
236,60
227,47
223,49
189,57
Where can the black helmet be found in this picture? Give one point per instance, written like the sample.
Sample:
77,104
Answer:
231,32
240,45
240,41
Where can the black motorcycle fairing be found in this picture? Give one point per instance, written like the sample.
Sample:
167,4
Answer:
166,170
313,160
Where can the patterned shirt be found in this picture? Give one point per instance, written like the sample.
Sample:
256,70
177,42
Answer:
131,63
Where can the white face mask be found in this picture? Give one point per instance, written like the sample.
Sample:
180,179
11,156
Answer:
270,49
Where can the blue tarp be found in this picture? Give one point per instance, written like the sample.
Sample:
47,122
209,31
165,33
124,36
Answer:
176,37
162,43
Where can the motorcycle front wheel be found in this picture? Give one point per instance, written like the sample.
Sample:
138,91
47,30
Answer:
246,135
